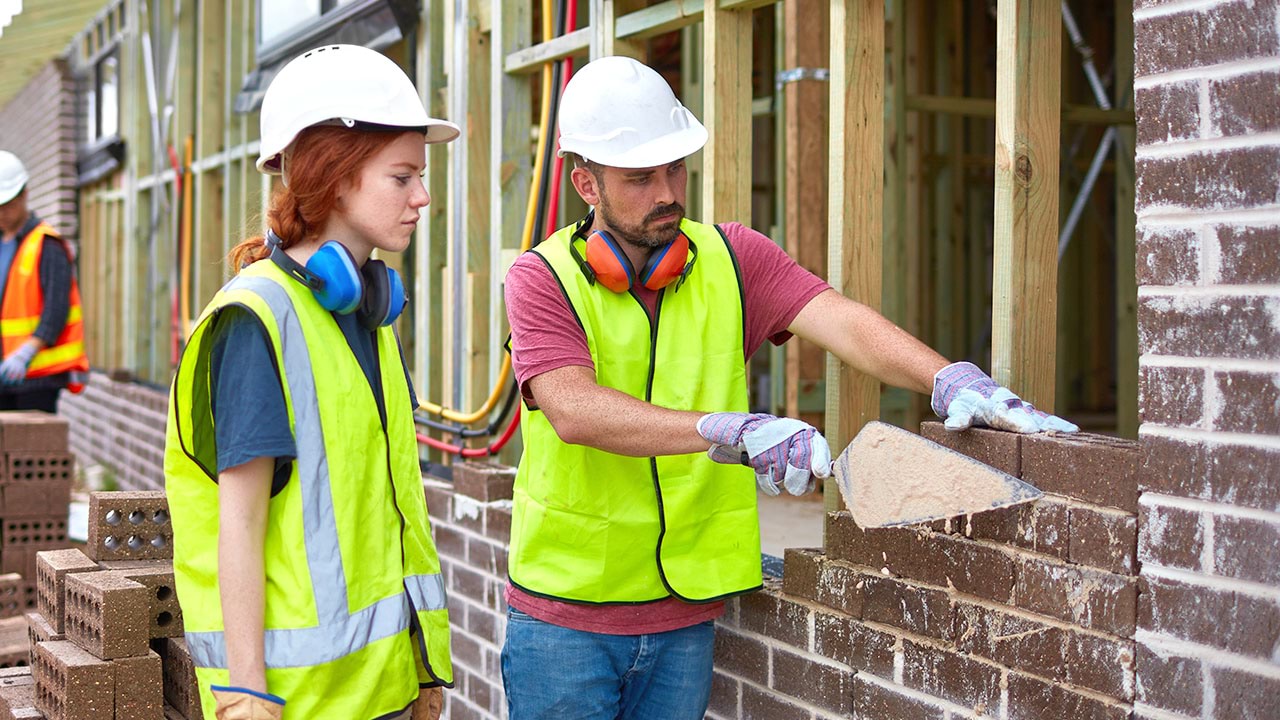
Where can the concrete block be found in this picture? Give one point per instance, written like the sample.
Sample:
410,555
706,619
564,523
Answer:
38,630
17,692
13,642
107,614
46,531
12,595
157,577
33,431
71,684
24,467
139,688
52,568
180,689
129,526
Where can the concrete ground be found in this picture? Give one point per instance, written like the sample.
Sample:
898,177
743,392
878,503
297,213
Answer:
787,521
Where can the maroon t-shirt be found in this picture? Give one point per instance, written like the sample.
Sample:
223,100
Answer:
545,336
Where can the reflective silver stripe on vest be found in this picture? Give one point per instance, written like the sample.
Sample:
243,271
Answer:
338,633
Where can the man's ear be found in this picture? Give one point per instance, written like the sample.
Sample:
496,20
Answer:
584,181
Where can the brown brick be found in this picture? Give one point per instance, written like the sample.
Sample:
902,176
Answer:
1033,699
484,481
107,614
1220,180
1248,402
23,468
33,431
139,688
1167,256
1011,640
825,686
35,499
1245,104
757,703
497,523
1237,622
742,656
13,600
488,557
844,639
1172,396
1094,468
449,542
919,610
129,526
1167,113
1232,30
768,612
1043,526
1246,549
1208,326
725,692
439,500
1101,663
42,533
52,567
1211,471
1001,450
1170,537
1089,598
469,584
801,568
1104,540
38,630
162,606
876,702
1249,255
71,684
1169,682
839,586
1240,695
954,677
180,688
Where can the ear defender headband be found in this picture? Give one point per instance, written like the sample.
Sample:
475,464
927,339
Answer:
606,263
374,292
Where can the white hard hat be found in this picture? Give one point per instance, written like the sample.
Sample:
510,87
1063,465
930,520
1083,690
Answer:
619,112
13,176
345,84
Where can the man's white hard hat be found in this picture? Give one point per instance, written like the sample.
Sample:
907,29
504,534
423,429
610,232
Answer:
340,84
619,112
13,176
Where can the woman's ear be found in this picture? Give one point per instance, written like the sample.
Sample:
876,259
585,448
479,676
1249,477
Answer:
584,181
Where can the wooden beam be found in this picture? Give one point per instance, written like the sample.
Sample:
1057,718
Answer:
1126,225
531,59
1028,113
856,210
986,108
479,238
726,52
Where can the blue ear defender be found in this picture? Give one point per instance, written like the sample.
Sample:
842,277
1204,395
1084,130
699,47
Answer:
374,292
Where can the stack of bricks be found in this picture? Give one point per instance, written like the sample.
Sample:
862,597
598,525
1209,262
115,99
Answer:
35,491
106,639
120,425
1023,613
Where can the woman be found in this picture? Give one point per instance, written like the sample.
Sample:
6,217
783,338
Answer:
309,582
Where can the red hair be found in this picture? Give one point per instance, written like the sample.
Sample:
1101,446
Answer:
322,159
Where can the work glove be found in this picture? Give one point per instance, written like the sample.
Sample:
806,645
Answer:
237,703
783,452
964,396
14,368
429,704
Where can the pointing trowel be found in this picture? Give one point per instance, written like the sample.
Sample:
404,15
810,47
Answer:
889,476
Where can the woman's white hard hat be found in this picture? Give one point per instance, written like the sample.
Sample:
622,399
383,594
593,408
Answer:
620,112
341,84
13,176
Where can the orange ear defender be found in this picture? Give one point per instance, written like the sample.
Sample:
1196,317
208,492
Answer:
606,263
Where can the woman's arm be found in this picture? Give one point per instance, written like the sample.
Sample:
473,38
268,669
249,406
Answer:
243,494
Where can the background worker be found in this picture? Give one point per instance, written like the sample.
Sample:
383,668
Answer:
40,315
630,334
310,585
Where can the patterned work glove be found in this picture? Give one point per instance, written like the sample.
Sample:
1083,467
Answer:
429,704
237,703
965,396
14,368
782,451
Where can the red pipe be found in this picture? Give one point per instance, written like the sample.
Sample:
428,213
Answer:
491,449
570,19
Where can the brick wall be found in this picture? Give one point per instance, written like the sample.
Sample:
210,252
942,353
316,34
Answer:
119,425
39,126
1208,200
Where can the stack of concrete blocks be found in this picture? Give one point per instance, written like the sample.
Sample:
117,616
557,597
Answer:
35,490
106,639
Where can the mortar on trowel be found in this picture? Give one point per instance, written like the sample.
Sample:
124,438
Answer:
890,477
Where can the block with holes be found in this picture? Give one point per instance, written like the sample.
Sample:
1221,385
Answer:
32,431
180,688
107,614
38,630
13,595
52,568
44,531
157,576
139,688
14,643
129,526
17,692
71,684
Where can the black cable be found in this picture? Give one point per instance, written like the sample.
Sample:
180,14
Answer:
557,71
493,428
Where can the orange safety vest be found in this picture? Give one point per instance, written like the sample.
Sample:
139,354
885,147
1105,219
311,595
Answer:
20,314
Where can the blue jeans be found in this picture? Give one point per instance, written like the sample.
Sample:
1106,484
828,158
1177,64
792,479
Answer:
554,673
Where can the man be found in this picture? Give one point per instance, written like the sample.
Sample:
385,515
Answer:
40,318
628,328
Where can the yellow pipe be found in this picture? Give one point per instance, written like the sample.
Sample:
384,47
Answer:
184,245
